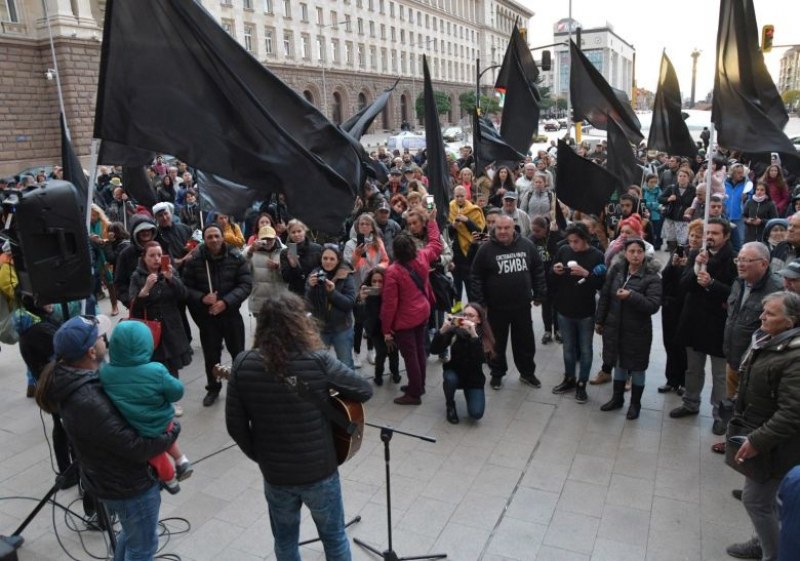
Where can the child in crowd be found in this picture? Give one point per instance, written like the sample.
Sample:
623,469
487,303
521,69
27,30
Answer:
144,391
369,299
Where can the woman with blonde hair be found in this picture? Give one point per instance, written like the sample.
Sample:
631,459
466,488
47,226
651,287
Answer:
98,237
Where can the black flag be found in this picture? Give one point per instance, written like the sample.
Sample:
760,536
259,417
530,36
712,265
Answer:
112,153
747,110
668,130
580,183
138,186
227,114
596,101
73,171
621,160
437,169
520,119
357,125
490,144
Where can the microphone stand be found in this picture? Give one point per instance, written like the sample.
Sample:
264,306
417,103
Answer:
389,554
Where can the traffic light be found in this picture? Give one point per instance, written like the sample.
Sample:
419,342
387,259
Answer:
767,33
523,31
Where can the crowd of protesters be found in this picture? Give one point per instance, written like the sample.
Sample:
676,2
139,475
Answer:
402,285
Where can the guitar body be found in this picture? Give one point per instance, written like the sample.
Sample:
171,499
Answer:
347,445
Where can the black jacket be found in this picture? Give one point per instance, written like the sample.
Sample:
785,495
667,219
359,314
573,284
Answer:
674,210
163,304
230,279
128,260
508,276
309,254
112,455
571,299
743,318
287,435
334,310
702,322
174,238
466,357
627,324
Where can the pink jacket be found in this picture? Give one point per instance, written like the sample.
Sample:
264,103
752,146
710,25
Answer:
403,306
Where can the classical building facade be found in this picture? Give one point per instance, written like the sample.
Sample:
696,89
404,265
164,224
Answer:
339,54
612,55
789,75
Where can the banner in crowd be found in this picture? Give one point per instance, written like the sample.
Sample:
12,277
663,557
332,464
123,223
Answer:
621,159
71,165
580,183
226,113
668,130
438,171
596,101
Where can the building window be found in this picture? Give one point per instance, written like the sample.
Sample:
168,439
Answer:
267,6
227,25
394,61
371,4
348,53
320,17
427,21
359,4
335,51
334,19
394,34
383,32
321,49
223,2
435,25
410,15
402,13
347,23
287,8
288,51
360,26
249,31
402,35
384,61
403,63
269,41
391,9
373,58
362,63
382,6
303,11
247,4
305,48
8,11
372,29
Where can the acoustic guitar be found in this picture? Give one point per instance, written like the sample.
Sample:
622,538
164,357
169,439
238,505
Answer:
346,444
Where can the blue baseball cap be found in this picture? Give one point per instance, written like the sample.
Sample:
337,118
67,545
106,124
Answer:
79,334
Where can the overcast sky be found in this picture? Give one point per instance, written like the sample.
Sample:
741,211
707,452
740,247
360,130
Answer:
680,26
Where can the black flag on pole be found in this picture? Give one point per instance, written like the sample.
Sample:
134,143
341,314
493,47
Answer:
621,160
358,124
437,168
234,119
580,183
73,171
490,144
520,119
596,101
668,130
747,111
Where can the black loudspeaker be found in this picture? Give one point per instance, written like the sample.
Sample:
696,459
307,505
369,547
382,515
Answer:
51,227
547,61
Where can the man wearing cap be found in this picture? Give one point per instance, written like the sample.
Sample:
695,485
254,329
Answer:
388,227
791,276
143,230
217,282
264,256
112,455
789,249
522,222
395,184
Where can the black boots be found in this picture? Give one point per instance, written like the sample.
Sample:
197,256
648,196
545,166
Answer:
617,399
452,414
636,402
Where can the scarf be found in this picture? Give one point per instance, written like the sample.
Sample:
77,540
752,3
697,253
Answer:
475,214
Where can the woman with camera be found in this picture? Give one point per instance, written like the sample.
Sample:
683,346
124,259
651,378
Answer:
764,434
299,258
332,294
470,339
264,256
630,296
157,291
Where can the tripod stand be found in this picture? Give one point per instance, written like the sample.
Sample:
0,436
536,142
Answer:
390,554
15,540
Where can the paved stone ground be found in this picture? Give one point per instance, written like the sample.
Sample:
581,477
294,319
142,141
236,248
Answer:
540,477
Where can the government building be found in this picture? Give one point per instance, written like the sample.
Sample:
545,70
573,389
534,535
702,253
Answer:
338,54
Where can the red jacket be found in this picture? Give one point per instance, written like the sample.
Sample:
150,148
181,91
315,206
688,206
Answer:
403,306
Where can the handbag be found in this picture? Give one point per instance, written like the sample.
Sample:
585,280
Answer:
757,468
152,324
443,289
8,332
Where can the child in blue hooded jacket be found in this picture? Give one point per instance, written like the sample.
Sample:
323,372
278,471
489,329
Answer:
144,391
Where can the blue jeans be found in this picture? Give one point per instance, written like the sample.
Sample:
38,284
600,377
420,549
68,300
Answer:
737,235
576,339
476,398
324,500
621,375
138,540
342,343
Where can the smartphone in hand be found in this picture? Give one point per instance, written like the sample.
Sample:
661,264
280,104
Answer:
164,263
292,249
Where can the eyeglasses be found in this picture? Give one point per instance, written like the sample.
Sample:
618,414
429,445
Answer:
744,261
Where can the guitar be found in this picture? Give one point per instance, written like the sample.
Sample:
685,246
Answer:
346,445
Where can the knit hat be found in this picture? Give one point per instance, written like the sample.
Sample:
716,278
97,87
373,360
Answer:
634,221
141,227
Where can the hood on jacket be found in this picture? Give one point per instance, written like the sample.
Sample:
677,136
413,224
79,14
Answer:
141,222
67,379
131,344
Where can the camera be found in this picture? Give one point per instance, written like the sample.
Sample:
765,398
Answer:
321,276
429,202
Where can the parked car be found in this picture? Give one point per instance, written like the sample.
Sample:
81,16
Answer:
551,125
453,134
563,124
796,141
406,140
